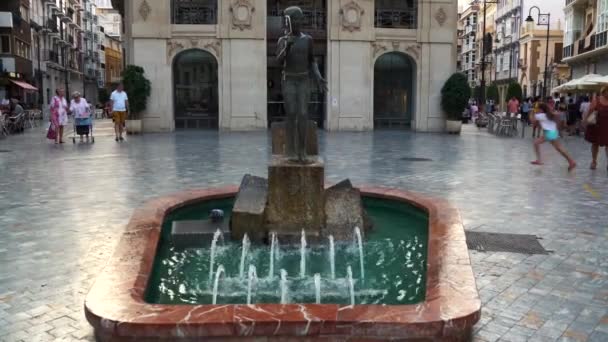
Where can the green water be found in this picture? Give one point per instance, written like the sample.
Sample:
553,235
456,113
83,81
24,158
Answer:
395,255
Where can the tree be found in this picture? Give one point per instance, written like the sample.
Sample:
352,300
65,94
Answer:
455,96
514,90
492,93
103,96
138,89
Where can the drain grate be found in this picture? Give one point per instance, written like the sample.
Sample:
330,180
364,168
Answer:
414,159
512,243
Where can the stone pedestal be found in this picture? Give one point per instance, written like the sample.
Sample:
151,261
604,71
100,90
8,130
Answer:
249,207
295,196
344,211
279,138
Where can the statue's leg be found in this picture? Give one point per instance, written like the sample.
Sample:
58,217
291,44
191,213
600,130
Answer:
303,98
290,98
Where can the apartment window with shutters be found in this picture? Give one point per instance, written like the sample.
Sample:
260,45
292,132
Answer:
558,52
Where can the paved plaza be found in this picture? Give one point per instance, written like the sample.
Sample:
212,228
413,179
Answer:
63,209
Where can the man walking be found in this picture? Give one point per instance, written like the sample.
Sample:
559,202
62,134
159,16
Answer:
119,103
513,106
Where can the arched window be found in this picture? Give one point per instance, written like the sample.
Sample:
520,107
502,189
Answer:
401,14
194,12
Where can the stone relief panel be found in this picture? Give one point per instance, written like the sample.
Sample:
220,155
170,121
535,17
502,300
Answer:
409,48
242,12
177,45
350,16
144,10
441,16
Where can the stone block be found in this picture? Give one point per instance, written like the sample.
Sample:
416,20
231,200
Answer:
295,196
196,233
279,138
248,211
344,211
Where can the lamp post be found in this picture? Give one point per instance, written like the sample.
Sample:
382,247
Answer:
484,51
544,19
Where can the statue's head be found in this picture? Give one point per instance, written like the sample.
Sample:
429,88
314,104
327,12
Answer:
297,17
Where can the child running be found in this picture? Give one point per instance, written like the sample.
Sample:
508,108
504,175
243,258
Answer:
546,118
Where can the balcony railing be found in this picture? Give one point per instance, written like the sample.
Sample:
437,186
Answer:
601,39
396,18
584,45
51,24
51,56
194,12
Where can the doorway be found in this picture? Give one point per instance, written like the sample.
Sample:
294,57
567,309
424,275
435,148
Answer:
394,91
195,89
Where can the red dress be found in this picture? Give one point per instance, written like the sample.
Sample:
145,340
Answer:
598,133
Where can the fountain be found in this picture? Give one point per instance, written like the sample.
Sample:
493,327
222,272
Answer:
216,283
303,255
216,236
351,284
252,277
415,279
317,280
332,257
244,251
359,243
284,289
273,246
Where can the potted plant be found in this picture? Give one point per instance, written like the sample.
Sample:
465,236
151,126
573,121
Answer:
514,90
138,89
455,96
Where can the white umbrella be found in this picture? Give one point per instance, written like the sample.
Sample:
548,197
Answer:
587,82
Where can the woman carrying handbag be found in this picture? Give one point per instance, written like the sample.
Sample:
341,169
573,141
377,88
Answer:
596,120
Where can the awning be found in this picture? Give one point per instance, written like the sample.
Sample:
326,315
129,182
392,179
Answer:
25,85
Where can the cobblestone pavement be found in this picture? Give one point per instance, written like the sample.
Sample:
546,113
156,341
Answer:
63,208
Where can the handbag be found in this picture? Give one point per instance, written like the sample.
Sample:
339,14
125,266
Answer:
592,118
51,134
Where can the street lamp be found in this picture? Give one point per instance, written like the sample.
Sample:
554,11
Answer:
544,19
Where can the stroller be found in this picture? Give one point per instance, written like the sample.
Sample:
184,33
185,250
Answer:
83,125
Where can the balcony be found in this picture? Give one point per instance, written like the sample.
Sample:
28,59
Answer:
592,46
194,12
51,56
396,18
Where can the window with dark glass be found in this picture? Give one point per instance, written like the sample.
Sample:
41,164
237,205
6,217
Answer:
401,14
5,44
194,12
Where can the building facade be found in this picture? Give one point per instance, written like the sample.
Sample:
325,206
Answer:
16,70
486,17
506,44
586,37
533,47
467,24
109,18
113,61
212,63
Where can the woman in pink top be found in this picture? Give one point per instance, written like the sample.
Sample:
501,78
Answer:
59,114
513,106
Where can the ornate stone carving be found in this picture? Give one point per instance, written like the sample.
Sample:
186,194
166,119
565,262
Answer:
441,16
144,10
410,49
350,16
176,45
242,14
378,48
414,50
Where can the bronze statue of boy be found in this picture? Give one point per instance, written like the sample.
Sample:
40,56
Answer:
295,53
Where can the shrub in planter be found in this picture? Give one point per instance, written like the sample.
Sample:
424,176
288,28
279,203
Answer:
455,96
492,93
514,90
138,89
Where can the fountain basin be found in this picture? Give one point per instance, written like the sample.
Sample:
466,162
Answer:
119,308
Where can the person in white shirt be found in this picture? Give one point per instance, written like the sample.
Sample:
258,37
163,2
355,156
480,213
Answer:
120,107
547,119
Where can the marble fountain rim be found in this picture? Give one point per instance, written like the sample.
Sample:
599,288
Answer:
116,307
